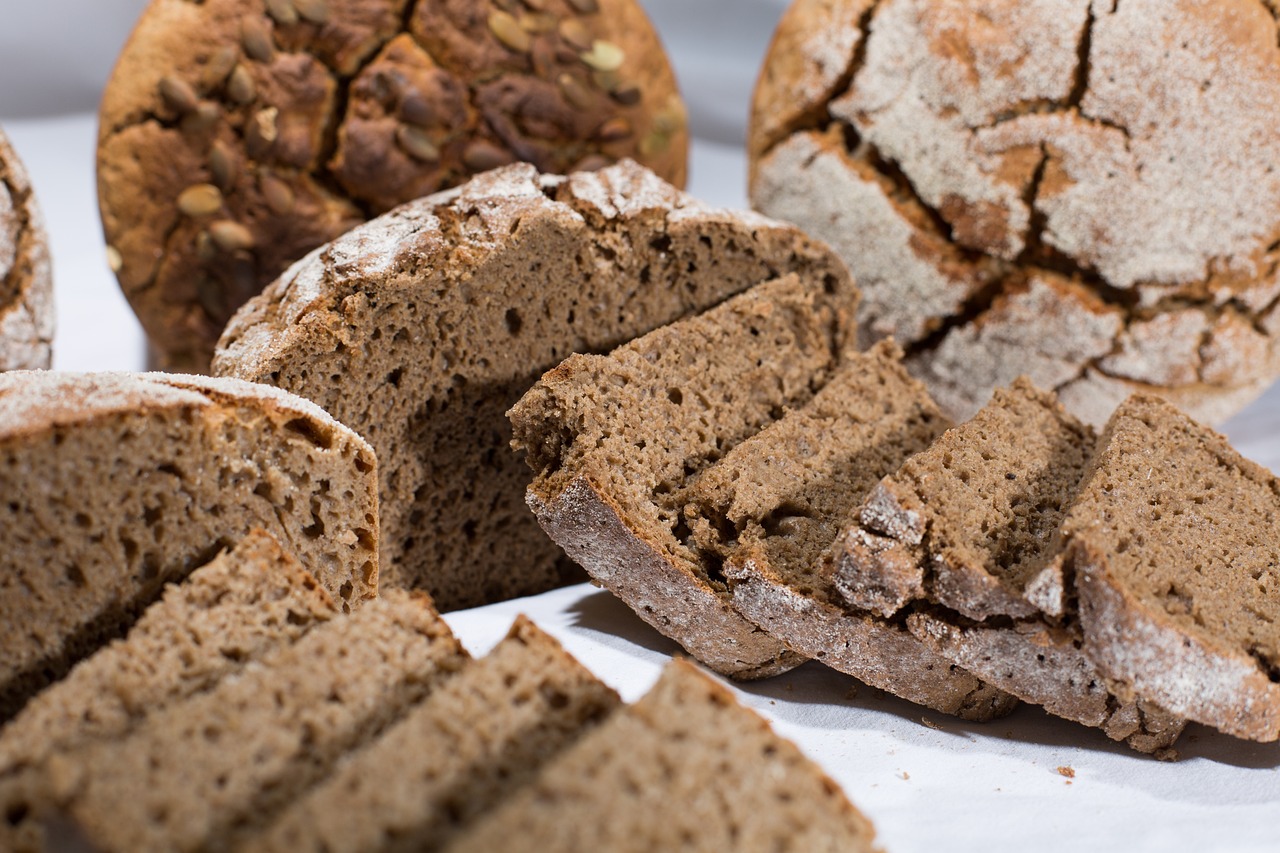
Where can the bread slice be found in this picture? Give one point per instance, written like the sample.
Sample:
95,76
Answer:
1173,543
206,771
116,484
685,768
964,539
476,739
440,314
772,506
614,441
246,603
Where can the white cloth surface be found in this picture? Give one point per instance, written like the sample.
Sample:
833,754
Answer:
928,781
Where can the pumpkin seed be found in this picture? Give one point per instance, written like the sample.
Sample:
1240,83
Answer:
416,109
283,11
537,22
481,156
200,200
278,194
576,33
231,236
240,86
315,11
575,92
585,7
604,56
205,116
178,94
417,144
614,129
628,95
115,260
256,40
507,30
222,166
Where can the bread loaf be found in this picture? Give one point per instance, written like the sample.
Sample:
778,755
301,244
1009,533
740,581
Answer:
26,279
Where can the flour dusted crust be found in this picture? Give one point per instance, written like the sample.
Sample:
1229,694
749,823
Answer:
437,316
237,135
1075,189
154,475
26,279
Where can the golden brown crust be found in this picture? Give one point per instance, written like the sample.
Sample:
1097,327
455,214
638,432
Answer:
237,135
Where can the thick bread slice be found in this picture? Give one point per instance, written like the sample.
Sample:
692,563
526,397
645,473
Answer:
614,440
244,604
473,741
1177,565
772,506
116,484
685,768
440,314
206,771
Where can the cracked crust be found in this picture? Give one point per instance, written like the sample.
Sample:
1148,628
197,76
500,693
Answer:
26,279
1006,183
238,135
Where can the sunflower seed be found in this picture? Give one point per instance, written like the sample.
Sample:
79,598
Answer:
417,144
200,200
222,166
507,30
604,56
585,7
231,236
115,260
315,11
278,195
614,129
256,40
575,92
240,86
576,33
283,11
481,156
178,94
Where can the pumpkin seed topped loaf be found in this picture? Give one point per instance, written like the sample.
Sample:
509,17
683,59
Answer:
116,484
772,506
235,136
238,608
616,440
420,329
962,541
26,278
1173,543
685,768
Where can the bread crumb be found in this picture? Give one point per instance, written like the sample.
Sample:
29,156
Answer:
1069,772
851,693
931,724
905,776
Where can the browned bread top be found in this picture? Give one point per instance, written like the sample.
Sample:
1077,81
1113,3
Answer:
236,135
26,281
1077,191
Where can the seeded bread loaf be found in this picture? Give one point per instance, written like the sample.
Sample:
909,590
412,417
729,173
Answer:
237,135
473,741
1172,541
204,773
962,539
420,329
1079,191
244,604
116,484
772,506
615,441
685,768
26,280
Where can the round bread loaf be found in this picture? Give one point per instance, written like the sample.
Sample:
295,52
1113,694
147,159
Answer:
26,280
420,329
237,135
1083,192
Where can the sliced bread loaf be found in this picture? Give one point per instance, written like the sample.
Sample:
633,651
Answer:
1177,564
421,328
474,740
116,484
615,440
685,768
243,605
204,772
772,506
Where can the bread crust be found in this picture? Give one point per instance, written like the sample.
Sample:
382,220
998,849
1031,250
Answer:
26,276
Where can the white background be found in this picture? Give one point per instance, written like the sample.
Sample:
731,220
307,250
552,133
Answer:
929,782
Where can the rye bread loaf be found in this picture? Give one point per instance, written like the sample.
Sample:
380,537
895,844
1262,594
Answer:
615,440
116,484
237,135
685,768
772,506
473,741
204,773
241,606
1079,191
420,329
963,539
26,278
1173,545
